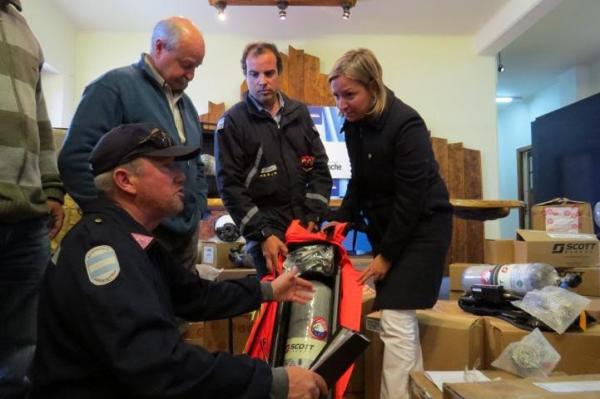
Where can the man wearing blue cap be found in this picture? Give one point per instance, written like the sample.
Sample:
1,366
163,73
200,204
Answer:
108,309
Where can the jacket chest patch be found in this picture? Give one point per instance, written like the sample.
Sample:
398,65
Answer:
268,171
102,265
307,162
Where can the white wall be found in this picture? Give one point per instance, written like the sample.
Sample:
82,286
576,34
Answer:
514,126
56,35
440,76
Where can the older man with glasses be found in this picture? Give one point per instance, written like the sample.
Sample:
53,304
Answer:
108,309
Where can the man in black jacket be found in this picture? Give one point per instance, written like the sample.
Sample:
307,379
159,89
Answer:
108,309
271,164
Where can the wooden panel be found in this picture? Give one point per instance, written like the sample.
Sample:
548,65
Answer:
472,174
325,96
296,74
210,119
456,170
456,187
440,151
473,190
310,78
284,78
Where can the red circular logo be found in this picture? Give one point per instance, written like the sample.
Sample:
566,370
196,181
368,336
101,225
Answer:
319,328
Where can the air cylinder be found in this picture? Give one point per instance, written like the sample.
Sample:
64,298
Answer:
309,328
516,278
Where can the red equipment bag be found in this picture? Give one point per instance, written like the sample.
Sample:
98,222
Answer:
350,298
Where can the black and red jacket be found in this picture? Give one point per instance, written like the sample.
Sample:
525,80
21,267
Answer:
269,173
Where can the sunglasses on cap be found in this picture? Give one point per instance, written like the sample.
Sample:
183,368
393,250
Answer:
157,138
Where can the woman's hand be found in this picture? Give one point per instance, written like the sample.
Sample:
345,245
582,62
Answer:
377,269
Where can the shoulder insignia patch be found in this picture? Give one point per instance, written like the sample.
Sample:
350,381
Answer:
220,124
102,265
142,240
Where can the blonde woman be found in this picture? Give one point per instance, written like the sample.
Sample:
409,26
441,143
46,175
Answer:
395,186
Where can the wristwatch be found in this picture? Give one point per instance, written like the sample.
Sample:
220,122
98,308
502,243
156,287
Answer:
266,232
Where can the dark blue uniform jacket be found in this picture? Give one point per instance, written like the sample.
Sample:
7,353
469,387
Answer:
107,320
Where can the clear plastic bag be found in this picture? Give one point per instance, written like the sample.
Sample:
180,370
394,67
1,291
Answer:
555,306
207,272
533,356
313,258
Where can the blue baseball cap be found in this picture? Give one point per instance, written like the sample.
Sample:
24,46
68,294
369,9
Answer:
126,142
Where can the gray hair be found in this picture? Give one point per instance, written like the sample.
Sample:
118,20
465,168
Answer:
168,31
105,183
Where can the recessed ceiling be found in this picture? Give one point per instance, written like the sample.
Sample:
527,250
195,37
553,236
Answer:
568,35
419,17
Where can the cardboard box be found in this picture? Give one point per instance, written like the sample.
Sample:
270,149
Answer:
590,280
446,325
553,215
216,254
241,326
498,252
440,328
593,308
373,357
356,386
556,249
579,351
422,387
226,335
211,335
518,388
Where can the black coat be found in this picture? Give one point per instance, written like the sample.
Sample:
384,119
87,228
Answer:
269,173
108,326
396,187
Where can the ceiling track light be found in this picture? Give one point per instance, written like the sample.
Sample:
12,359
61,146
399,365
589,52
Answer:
346,10
220,5
282,5
499,65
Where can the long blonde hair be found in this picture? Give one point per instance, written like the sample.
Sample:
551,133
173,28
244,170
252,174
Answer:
362,65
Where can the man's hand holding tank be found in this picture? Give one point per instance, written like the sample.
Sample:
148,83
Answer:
289,287
305,384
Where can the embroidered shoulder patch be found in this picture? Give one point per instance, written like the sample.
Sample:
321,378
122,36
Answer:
220,124
102,265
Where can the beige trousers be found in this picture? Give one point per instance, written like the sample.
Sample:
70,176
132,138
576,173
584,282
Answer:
402,351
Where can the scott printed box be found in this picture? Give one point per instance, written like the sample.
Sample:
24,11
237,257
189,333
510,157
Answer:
556,249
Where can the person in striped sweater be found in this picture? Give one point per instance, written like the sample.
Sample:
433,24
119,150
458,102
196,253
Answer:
31,195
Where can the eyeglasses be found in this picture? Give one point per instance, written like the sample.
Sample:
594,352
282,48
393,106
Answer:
157,138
